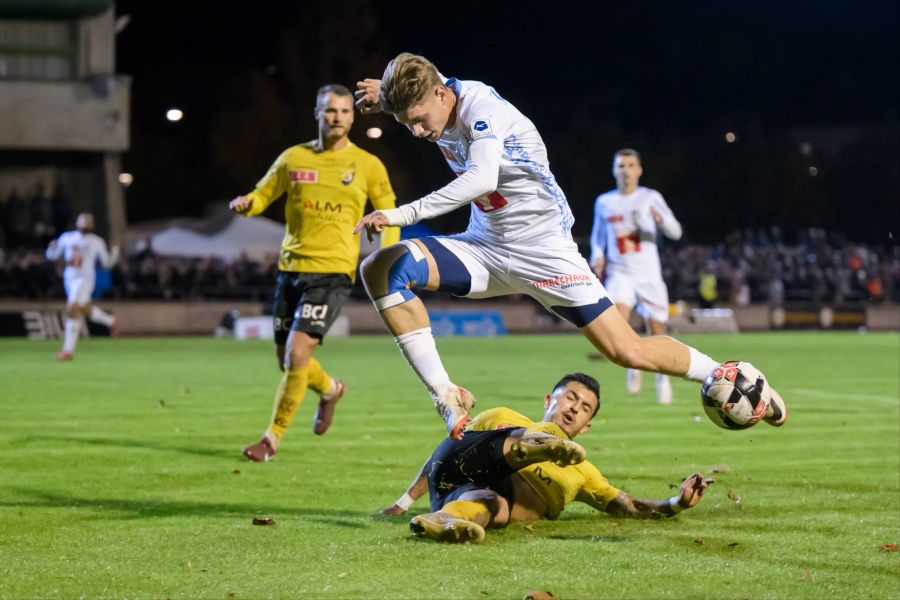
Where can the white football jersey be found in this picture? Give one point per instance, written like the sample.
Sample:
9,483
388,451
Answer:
625,231
528,204
81,251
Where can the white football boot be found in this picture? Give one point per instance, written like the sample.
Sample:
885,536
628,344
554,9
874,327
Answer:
777,412
633,381
663,389
454,408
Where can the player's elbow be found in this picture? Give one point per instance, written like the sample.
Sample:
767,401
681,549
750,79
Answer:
483,182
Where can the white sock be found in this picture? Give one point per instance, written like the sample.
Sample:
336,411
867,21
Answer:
99,315
700,366
73,327
420,351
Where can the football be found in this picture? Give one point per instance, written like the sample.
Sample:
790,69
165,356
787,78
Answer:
733,395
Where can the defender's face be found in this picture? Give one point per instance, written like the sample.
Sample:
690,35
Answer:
335,116
571,407
428,119
627,170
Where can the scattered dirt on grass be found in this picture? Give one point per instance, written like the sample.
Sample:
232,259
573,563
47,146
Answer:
263,521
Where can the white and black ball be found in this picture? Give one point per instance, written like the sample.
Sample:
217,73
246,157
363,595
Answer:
733,395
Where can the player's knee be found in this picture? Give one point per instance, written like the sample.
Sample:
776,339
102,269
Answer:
73,311
300,349
391,273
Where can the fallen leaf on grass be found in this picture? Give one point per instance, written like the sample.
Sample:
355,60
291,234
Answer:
808,575
530,528
737,499
263,521
344,574
539,595
699,541
888,547
732,544
613,523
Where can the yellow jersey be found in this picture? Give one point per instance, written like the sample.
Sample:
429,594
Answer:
326,197
555,485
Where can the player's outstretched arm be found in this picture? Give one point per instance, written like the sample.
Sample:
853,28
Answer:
54,250
692,489
416,490
108,256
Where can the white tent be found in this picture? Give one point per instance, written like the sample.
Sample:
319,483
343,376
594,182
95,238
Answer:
258,238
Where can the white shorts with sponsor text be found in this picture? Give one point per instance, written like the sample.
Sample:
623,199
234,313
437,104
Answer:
552,272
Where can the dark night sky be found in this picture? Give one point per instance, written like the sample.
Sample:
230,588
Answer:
667,78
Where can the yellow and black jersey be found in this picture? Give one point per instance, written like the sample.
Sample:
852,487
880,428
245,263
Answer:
326,197
555,485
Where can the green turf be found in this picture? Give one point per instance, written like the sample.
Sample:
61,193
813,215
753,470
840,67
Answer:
120,476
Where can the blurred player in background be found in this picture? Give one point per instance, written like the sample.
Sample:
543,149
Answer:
81,249
327,181
623,243
509,468
518,239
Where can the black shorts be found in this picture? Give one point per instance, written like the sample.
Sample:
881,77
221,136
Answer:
472,463
308,302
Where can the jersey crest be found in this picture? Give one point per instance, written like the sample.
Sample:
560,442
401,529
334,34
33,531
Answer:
481,128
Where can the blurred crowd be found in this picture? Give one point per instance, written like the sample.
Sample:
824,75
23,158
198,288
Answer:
33,219
748,267
820,268
27,274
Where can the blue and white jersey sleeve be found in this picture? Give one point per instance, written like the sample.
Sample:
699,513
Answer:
479,179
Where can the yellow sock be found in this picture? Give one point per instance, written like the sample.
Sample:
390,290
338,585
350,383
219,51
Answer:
469,510
319,381
288,398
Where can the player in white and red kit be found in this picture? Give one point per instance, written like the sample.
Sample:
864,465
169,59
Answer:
518,239
81,249
623,247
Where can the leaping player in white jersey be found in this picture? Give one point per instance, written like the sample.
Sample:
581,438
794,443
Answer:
623,244
81,249
518,239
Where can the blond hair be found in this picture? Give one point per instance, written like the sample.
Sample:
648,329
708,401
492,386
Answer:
407,80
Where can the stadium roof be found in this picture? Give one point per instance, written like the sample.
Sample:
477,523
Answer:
52,9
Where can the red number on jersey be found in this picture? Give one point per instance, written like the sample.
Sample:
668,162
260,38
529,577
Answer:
629,243
492,201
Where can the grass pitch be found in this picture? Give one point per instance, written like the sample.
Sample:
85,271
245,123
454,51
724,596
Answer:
121,476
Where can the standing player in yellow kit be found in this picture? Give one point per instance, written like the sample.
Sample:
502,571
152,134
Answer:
327,181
